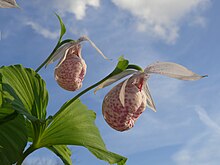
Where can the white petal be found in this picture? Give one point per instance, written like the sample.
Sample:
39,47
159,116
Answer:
150,102
60,52
172,70
122,93
113,79
8,4
85,38
62,59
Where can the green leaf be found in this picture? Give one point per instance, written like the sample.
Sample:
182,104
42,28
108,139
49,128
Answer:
27,91
6,111
63,152
13,139
75,126
121,66
59,43
121,70
62,28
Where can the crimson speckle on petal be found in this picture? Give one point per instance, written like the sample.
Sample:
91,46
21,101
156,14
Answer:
121,117
70,71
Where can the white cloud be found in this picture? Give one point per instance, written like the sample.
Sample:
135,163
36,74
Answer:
41,30
76,7
203,149
198,21
162,18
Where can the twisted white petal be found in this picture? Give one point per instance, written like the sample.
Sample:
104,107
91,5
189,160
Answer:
85,38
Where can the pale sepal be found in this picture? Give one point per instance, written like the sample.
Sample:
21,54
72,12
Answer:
150,102
60,52
62,59
115,78
8,4
122,92
172,70
86,38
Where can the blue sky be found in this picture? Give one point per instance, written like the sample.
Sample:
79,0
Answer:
185,130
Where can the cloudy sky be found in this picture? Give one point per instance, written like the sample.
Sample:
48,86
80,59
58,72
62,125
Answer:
185,130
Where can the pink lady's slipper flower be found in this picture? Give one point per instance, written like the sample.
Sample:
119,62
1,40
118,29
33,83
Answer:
71,69
125,102
121,114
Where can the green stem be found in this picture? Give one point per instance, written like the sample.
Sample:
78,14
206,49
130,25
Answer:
51,54
48,58
26,153
132,66
81,93
135,67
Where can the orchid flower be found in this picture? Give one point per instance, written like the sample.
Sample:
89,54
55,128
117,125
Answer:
71,69
125,102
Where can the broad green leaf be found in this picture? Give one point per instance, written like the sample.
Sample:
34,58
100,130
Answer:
1,91
74,125
6,112
8,4
13,139
63,152
27,90
30,130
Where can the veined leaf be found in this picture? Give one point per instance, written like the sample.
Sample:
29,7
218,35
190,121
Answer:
75,126
6,111
8,4
13,139
63,152
27,89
